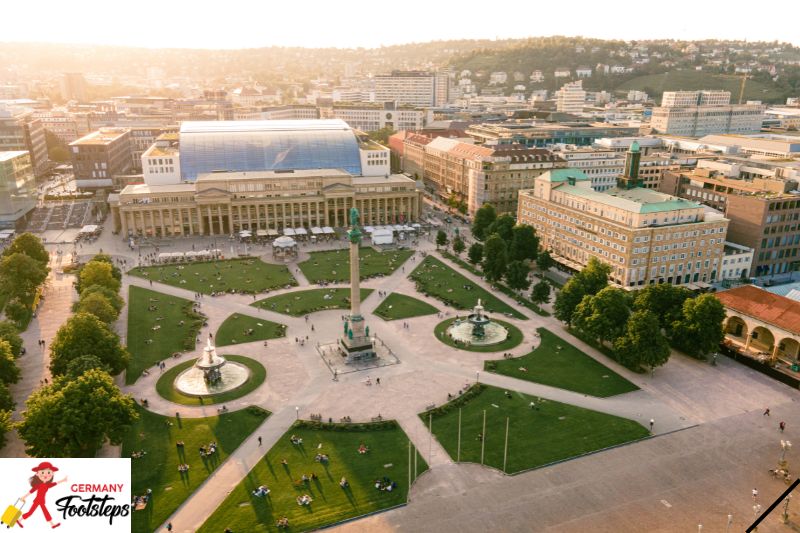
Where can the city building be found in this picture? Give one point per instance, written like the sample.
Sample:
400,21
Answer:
420,89
646,237
21,130
698,113
540,134
161,163
571,97
483,174
736,261
221,203
73,87
762,325
99,156
764,213
602,166
60,123
142,138
18,192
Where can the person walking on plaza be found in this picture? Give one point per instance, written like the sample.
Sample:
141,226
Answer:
755,494
766,412
652,423
259,441
782,425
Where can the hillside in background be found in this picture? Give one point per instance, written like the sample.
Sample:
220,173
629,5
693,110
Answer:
692,80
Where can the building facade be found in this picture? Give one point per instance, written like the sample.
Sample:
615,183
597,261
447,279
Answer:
99,156
541,134
736,261
20,130
571,97
698,113
646,237
222,203
18,192
412,88
764,213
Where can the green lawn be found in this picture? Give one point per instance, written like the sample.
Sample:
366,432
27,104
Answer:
165,389
334,265
513,339
388,456
299,303
170,338
434,278
251,276
397,306
693,80
236,327
568,368
158,469
552,432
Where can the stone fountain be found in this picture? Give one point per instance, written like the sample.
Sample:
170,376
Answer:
477,329
211,374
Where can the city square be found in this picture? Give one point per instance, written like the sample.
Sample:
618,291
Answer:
686,397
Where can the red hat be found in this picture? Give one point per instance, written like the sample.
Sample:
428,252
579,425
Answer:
43,466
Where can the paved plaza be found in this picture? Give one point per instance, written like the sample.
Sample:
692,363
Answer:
712,444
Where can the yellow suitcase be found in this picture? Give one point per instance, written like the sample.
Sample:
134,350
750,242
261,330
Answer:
11,515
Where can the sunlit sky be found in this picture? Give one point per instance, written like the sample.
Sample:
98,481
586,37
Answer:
348,23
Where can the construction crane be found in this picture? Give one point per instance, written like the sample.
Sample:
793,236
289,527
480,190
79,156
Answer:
745,77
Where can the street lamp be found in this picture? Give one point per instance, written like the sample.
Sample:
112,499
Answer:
785,445
785,516
730,523
297,412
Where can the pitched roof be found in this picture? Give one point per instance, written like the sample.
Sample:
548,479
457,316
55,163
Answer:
763,305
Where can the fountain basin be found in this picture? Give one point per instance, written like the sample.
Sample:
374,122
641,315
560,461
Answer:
192,382
463,331
493,340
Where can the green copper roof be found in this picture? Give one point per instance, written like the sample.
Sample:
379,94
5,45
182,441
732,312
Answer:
634,147
558,175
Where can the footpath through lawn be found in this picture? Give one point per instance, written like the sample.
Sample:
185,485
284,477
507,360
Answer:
539,434
388,457
557,363
157,469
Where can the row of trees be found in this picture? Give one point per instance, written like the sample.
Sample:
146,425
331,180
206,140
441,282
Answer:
22,270
640,326
82,408
10,349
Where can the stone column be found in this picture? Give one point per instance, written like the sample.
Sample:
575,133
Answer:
124,220
210,221
161,217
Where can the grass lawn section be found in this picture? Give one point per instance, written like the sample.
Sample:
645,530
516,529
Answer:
513,339
242,511
568,368
299,303
170,338
234,330
165,389
250,276
434,278
158,469
334,265
397,306
553,432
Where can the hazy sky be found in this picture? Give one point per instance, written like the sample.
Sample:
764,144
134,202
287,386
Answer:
348,23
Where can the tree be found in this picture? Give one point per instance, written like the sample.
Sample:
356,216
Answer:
664,300
115,271
113,298
81,364
603,315
517,275
643,344
99,306
541,293
6,400
10,334
441,239
458,245
74,417
524,243
30,245
503,226
98,273
475,253
9,372
484,217
17,311
495,258
591,280
544,261
699,331
85,334
22,273
5,426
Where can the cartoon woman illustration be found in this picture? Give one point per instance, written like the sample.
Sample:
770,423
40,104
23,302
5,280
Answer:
41,482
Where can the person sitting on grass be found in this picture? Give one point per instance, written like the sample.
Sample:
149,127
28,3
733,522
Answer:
296,440
344,483
261,491
362,449
283,523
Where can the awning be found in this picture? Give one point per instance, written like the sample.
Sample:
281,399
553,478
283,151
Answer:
300,231
316,230
327,230
289,232
262,233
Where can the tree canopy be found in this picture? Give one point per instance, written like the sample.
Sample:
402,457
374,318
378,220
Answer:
642,344
502,226
517,275
85,334
664,300
602,315
524,243
113,297
540,294
81,364
545,261
98,305
74,417
699,330
591,280
22,273
10,333
441,239
98,273
495,258
9,372
484,217
458,245
30,245
6,400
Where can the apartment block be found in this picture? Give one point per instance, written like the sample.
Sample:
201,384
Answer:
646,237
18,193
21,130
99,156
539,134
764,213
421,89
698,113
